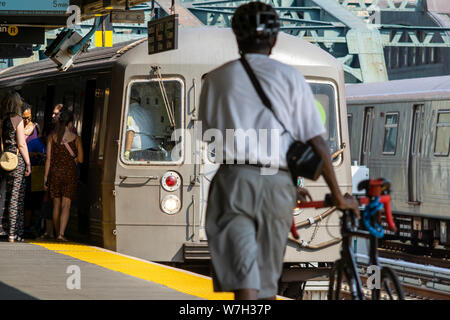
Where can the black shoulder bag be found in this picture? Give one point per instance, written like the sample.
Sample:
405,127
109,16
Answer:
302,159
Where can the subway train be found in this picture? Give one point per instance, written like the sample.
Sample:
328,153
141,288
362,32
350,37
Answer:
401,130
152,205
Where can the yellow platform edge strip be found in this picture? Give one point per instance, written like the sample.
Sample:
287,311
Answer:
179,280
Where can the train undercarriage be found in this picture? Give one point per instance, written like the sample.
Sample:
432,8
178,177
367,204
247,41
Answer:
420,231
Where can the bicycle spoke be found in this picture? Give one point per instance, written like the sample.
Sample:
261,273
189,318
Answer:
391,284
388,289
342,284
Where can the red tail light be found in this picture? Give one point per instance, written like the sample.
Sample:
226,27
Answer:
171,181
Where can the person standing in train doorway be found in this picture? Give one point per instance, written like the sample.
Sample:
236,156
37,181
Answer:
64,152
249,213
47,203
34,191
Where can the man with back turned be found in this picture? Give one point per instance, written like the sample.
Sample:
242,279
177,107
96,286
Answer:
249,213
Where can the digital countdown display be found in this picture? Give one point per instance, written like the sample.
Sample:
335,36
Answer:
163,34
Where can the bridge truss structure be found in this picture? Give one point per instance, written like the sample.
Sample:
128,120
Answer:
351,30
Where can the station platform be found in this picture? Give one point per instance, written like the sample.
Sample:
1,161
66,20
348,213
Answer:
37,270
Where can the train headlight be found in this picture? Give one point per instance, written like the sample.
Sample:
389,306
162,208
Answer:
170,181
171,204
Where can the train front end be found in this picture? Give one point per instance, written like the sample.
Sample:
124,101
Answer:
160,193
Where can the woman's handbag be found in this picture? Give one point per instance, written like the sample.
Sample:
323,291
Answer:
70,151
302,159
9,160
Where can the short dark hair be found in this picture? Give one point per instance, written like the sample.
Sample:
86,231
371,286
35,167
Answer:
11,104
255,25
25,107
134,95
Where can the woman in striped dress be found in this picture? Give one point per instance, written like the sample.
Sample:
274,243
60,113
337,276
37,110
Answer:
13,140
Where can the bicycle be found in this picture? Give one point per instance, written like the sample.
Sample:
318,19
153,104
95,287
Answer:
345,270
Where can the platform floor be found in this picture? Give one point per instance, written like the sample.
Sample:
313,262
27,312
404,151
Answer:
39,270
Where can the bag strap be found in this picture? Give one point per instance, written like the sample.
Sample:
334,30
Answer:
68,148
17,147
260,90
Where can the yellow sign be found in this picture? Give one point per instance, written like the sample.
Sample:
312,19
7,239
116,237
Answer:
13,31
104,38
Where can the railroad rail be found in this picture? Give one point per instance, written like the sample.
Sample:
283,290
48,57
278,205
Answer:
424,293
416,250
411,292
425,260
423,281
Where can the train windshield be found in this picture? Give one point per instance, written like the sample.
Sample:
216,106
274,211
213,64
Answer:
325,96
154,112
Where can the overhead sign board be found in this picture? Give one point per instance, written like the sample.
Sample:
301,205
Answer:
163,34
127,16
24,35
33,7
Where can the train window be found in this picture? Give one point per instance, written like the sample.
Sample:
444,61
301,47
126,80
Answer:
442,145
325,96
154,112
390,133
103,126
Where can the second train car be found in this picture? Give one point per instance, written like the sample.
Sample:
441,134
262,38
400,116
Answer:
401,130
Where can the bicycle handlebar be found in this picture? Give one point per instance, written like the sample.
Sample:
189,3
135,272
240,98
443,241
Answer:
294,230
388,212
378,202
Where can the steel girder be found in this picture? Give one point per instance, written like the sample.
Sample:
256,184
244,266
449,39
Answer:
348,29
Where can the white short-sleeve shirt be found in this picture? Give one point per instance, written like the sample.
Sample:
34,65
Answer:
140,122
231,106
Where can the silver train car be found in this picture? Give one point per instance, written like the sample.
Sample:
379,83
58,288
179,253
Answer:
152,205
401,130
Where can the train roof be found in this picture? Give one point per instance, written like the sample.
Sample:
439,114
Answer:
197,45
94,58
417,89
214,46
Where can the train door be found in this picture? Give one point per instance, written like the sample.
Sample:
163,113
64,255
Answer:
49,105
95,175
155,194
415,149
367,135
86,139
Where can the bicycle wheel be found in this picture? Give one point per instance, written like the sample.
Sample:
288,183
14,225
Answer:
390,286
340,287
335,278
